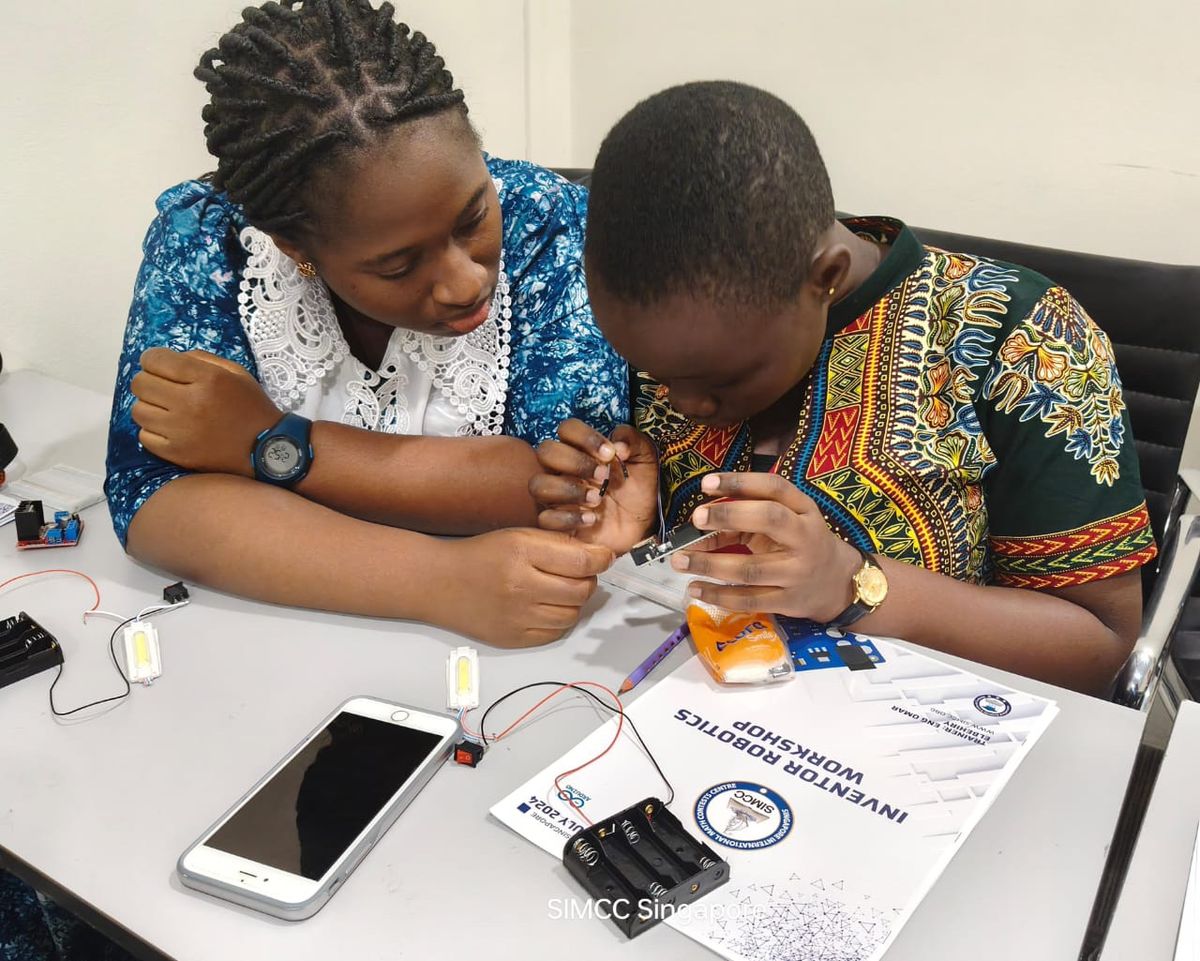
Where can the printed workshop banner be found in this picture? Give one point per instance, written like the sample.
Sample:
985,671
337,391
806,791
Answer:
837,797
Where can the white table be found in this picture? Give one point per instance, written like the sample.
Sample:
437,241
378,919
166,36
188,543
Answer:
1146,920
99,810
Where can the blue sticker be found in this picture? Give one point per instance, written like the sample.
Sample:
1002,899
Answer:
814,647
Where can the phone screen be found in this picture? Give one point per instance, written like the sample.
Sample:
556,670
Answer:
310,812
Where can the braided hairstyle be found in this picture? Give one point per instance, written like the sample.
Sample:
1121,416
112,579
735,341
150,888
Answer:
298,80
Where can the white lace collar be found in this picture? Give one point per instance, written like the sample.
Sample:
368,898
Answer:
298,344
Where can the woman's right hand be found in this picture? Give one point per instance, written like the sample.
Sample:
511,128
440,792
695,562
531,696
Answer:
518,587
200,411
581,464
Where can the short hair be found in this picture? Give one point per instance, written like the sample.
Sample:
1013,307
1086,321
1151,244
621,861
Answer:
299,79
716,188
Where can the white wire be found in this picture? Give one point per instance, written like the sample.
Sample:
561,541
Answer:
141,615
115,617
161,609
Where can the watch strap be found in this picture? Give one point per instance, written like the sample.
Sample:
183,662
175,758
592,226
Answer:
857,609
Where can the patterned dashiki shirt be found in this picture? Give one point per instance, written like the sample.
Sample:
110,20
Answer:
186,297
963,415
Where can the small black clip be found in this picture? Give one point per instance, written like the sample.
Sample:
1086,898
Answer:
651,549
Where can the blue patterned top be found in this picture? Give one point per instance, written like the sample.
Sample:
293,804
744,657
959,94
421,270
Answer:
186,297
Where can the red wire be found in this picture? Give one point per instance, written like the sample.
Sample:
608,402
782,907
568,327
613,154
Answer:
497,737
611,745
553,694
56,570
462,722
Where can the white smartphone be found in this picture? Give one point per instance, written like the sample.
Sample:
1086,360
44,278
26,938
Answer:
294,838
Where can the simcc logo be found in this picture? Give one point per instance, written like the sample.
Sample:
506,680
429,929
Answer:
743,815
993,705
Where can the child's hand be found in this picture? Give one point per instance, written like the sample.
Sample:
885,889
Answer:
798,567
200,411
578,465
515,587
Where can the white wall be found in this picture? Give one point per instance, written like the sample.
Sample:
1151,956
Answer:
100,113
1069,123
1059,122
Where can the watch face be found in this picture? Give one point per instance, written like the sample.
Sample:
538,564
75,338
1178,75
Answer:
872,585
280,457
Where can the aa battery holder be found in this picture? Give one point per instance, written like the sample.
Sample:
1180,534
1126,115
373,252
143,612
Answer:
26,648
642,866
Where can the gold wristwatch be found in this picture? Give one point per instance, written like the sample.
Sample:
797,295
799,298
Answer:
870,590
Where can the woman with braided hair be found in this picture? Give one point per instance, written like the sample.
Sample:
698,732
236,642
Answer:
349,336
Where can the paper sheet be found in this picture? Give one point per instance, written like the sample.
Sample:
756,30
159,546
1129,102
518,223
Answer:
1187,945
837,797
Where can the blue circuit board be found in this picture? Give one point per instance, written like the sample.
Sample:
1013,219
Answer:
66,531
814,648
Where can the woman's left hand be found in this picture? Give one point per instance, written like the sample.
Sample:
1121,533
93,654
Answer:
797,567
200,411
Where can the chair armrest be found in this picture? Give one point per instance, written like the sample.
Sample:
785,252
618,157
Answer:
1190,478
1134,684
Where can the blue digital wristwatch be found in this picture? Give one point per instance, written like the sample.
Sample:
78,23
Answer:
283,454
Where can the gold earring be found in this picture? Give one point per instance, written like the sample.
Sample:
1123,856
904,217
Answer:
832,291
306,268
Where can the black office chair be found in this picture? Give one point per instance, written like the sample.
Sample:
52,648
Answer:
1151,312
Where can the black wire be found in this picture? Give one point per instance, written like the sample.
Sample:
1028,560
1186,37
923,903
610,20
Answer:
124,680
604,704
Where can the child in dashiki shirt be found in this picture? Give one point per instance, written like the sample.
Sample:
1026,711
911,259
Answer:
928,445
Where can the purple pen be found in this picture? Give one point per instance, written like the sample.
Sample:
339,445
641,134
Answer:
649,664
